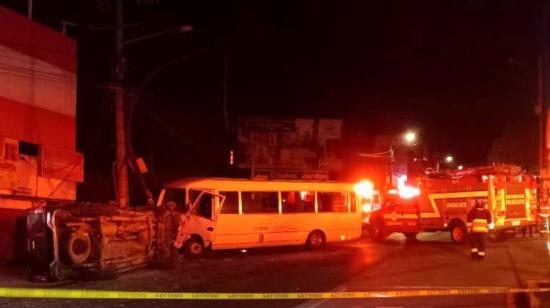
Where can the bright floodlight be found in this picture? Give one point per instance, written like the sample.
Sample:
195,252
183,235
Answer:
365,189
460,167
449,159
409,137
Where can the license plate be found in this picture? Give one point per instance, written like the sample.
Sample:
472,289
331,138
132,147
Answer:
516,223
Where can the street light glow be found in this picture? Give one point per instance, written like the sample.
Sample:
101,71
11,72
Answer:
409,137
185,28
449,159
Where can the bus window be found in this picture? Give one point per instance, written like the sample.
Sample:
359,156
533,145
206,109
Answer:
353,200
177,196
231,204
193,194
260,202
204,207
332,202
298,201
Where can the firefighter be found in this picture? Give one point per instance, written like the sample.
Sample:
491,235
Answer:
478,219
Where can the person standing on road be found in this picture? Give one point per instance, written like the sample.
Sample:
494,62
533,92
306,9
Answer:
478,219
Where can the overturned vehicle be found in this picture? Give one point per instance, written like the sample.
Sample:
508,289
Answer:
68,241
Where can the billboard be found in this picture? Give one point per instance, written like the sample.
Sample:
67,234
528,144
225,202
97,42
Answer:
289,144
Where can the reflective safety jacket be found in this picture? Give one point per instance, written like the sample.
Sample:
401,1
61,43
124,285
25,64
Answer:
479,219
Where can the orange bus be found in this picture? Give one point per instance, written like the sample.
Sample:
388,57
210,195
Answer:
221,213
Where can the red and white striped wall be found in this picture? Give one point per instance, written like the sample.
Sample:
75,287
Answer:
37,83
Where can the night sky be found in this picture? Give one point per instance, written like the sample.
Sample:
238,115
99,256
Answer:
458,71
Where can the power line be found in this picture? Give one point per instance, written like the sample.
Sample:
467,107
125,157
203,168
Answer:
173,131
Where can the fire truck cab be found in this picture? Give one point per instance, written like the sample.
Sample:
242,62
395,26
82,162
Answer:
441,201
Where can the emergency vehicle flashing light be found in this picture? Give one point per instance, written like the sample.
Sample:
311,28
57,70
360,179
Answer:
405,191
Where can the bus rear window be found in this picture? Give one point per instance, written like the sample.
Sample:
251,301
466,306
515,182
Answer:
298,201
260,202
231,204
332,202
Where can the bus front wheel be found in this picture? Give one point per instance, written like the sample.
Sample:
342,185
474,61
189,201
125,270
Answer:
193,248
316,239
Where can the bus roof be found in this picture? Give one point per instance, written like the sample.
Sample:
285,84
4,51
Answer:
248,184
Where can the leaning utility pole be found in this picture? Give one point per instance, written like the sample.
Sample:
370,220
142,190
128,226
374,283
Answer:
121,166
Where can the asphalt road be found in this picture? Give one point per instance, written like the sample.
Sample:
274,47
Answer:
362,265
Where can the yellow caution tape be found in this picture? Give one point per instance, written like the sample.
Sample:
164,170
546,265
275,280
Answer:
98,294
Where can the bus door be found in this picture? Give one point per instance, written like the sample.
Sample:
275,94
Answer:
201,218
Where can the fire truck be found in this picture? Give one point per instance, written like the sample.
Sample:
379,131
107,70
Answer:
441,201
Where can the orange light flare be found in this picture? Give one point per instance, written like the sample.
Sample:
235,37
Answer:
367,207
365,189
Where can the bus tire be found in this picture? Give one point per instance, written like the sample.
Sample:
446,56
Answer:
316,239
376,230
193,248
78,247
458,232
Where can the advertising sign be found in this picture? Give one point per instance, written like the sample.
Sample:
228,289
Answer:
304,144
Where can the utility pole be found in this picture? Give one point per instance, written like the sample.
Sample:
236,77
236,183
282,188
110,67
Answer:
225,115
121,164
543,88
29,9
540,111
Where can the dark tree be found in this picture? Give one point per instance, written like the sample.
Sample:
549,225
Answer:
518,144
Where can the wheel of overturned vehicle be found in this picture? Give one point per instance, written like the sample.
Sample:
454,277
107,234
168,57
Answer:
193,248
79,247
315,240
458,233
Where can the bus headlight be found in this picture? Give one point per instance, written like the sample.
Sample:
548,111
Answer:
492,226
